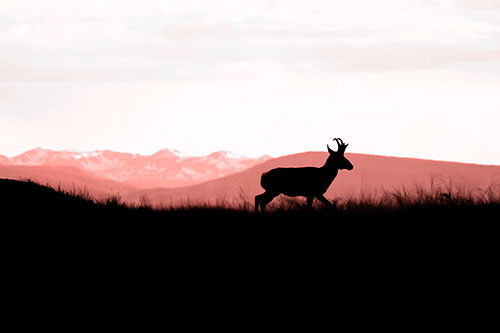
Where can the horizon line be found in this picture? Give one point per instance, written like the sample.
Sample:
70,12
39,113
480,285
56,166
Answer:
238,155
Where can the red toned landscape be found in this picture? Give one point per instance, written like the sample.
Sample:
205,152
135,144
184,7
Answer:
105,85
186,141
169,178
371,176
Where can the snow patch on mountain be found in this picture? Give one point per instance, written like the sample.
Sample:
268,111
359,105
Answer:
165,168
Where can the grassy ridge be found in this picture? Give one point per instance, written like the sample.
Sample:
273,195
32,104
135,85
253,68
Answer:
27,199
395,232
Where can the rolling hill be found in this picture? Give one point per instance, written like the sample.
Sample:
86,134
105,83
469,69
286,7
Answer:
68,179
4,160
371,176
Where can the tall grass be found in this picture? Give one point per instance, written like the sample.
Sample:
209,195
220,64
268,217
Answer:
444,200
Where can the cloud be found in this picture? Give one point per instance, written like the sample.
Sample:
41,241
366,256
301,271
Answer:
480,4
147,40
198,74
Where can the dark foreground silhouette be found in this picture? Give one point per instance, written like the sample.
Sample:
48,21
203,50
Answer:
28,201
398,226
59,243
309,182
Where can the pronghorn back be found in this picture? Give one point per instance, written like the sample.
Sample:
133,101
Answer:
296,181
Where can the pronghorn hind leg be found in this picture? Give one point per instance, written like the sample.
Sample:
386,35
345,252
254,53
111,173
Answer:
309,203
263,199
258,199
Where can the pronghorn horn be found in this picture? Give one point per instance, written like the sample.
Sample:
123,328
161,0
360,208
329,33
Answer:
338,143
341,144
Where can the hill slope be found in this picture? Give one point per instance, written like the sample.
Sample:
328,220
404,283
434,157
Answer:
371,175
66,178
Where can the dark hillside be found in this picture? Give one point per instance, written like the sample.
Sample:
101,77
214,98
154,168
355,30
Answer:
359,234
26,199
26,202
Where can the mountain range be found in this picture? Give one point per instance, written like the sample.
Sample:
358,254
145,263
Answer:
168,177
165,168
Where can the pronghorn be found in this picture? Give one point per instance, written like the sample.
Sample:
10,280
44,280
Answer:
310,182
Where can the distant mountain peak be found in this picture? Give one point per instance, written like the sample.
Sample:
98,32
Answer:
226,154
36,150
167,152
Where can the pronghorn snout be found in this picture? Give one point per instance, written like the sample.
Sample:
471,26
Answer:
348,165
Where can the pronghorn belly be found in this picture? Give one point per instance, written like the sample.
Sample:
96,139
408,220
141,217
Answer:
304,192
300,194
294,182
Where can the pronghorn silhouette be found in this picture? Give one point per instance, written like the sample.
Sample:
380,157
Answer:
310,182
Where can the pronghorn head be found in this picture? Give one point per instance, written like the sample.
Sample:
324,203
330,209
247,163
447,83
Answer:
336,159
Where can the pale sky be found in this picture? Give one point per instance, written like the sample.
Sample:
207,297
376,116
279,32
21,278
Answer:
400,78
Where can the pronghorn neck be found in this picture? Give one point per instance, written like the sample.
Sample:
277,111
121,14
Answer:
330,167
330,171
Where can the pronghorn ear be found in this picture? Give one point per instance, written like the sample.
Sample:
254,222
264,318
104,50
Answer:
329,150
